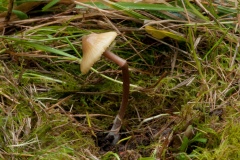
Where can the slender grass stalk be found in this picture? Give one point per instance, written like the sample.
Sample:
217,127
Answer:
216,44
114,80
194,53
72,46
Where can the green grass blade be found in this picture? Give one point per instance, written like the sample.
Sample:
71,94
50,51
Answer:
110,155
40,77
49,5
226,10
216,44
71,45
3,9
195,11
41,47
151,7
20,14
124,9
49,49
138,6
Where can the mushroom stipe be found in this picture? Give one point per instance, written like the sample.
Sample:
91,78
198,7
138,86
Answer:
117,123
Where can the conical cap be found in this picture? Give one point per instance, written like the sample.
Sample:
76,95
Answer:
93,46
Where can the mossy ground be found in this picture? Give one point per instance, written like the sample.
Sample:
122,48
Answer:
184,101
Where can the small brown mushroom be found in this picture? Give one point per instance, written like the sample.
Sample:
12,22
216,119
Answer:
93,46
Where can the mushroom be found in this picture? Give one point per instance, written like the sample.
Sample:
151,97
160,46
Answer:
93,46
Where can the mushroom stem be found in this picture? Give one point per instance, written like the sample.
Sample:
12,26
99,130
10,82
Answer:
117,123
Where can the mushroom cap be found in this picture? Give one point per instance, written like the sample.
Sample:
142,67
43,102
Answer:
93,46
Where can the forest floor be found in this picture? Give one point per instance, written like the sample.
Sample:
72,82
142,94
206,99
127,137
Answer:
183,59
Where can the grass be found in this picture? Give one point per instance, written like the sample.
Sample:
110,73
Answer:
184,96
